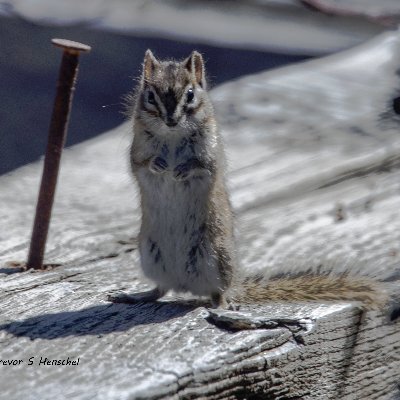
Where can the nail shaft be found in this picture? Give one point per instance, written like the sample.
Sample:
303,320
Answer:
56,139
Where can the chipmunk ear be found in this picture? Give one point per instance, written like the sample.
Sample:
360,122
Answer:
150,64
195,65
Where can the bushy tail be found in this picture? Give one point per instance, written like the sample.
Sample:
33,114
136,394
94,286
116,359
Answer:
370,292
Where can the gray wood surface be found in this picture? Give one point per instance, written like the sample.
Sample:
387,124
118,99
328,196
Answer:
314,174
291,26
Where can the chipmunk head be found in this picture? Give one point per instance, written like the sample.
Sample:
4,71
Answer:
173,94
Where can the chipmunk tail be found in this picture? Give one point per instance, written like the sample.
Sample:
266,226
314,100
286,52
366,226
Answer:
370,287
370,293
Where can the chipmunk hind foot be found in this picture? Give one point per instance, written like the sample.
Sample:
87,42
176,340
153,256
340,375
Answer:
142,297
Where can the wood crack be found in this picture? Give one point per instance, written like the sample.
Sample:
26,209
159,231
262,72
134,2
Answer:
40,284
386,165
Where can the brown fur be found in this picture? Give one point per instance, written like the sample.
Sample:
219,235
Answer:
370,292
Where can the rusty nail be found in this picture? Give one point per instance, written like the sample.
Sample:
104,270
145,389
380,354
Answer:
56,139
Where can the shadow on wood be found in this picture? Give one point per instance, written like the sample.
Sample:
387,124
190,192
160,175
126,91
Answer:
97,320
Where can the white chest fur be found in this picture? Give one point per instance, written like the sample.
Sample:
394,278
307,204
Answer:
175,244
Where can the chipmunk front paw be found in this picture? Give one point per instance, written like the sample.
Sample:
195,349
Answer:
182,171
158,165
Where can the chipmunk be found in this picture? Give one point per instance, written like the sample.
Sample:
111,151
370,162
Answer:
186,239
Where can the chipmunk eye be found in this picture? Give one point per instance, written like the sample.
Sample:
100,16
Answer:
150,98
190,95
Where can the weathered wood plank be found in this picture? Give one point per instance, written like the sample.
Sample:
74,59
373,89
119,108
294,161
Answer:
257,25
314,178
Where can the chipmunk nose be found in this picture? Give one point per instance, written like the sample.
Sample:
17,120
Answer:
171,121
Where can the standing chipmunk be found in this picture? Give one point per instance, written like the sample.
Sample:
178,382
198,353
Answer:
186,239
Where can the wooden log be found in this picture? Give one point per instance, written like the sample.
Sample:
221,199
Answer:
314,176
259,25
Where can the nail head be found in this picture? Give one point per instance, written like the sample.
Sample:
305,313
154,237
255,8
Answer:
71,46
